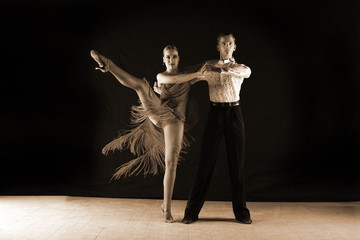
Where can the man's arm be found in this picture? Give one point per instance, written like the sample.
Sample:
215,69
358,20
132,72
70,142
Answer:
237,70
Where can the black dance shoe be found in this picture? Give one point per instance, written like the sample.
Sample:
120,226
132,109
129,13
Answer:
245,220
188,220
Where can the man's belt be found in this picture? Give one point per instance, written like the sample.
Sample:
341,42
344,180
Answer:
225,104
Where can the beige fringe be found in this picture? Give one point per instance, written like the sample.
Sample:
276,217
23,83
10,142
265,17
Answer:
144,140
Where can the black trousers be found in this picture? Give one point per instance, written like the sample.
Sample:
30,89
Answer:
228,122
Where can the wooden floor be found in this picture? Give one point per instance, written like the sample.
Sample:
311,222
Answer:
77,218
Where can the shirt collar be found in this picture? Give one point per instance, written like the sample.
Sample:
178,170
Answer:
228,60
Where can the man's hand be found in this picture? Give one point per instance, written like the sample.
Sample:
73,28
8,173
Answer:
211,68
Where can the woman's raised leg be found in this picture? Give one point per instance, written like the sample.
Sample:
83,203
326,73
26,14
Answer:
139,85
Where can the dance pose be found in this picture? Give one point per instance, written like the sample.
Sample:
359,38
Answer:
157,137
224,119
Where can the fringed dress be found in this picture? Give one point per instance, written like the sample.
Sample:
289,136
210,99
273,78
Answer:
146,140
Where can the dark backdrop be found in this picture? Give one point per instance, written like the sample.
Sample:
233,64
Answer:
300,105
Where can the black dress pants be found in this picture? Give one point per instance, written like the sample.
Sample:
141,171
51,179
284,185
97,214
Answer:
222,121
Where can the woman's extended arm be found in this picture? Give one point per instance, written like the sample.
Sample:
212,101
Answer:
166,78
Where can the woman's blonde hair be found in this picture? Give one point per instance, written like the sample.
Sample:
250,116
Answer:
170,47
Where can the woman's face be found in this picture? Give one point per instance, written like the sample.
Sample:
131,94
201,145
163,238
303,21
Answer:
171,59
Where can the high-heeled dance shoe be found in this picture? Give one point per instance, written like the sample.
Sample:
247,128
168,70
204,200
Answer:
167,215
103,62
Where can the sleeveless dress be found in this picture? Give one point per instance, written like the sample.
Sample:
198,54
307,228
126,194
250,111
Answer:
144,138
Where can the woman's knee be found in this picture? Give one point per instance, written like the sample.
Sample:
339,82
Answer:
172,155
175,149
141,86
171,165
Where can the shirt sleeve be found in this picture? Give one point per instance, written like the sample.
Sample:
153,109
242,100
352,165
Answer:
237,70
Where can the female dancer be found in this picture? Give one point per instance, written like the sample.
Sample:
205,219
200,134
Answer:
158,122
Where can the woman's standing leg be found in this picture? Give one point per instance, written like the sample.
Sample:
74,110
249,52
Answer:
173,134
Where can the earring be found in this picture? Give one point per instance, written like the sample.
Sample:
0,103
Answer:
163,63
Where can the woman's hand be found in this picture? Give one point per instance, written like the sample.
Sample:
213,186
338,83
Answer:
157,88
207,67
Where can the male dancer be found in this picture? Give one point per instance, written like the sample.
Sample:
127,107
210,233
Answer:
224,118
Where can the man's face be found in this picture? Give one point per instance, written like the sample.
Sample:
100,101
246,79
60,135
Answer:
226,46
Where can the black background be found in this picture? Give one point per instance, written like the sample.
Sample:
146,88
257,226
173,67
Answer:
300,105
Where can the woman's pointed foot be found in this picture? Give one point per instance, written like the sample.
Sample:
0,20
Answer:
101,60
167,215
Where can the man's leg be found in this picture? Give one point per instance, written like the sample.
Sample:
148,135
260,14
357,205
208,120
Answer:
235,143
209,148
